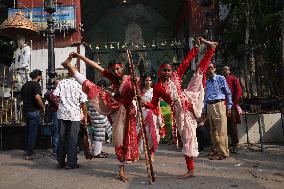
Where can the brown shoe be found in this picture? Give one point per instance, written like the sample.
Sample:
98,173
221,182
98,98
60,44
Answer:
217,157
212,152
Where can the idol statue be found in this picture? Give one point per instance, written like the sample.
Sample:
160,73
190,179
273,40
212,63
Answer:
21,65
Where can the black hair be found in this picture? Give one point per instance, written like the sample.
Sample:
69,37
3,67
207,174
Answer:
214,66
147,75
228,65
113,62
144,78
35,73
167,62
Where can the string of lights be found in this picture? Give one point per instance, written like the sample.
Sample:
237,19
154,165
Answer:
162,44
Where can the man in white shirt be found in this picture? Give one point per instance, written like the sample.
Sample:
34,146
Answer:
72,100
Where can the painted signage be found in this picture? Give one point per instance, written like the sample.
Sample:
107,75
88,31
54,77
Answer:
64,17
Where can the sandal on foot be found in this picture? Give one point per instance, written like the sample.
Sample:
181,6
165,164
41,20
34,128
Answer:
234,150
104,153
101,155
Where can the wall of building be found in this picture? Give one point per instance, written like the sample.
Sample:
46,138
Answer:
40,58
62,40
192,15
271,125
65,42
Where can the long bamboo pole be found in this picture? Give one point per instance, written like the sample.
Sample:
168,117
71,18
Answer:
149,164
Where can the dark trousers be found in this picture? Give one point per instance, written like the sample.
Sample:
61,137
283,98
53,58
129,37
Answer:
233,128
54,132
33,123
67,144
203,137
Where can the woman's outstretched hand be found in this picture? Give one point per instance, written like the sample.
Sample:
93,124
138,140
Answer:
198,41
74,55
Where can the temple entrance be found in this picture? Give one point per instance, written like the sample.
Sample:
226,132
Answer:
147,29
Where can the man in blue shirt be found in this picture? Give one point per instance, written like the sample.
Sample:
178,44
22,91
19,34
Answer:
218,103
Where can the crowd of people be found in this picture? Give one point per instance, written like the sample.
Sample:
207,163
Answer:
204,113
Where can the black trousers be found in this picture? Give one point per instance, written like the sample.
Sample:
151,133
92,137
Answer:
203,137
67,143
233,129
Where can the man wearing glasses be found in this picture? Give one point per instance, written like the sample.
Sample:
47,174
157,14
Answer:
217,110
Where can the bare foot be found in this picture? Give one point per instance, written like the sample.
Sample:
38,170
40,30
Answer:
122,176
152,157
187,175
211,44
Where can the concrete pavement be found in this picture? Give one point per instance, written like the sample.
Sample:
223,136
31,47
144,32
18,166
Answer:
249,169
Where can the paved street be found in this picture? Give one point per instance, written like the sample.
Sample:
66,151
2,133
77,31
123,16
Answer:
249,169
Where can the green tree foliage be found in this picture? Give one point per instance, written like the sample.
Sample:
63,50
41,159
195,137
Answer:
262,19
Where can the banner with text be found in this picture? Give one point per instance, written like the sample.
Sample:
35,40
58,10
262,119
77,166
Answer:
64,17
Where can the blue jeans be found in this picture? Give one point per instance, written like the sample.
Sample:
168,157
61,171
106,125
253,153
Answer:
54,132
33,123
68,139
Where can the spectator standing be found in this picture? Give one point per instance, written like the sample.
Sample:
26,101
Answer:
217,91
203,134
32,106
152,119
99,124
236,90
53,101
72,100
